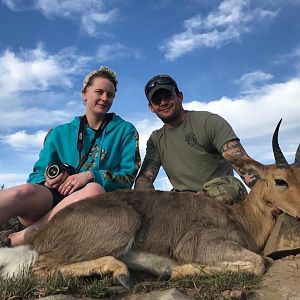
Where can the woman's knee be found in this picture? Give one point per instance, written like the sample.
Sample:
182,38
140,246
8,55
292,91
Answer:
28,201
92,189
23,192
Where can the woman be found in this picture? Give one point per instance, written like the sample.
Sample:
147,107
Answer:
93,154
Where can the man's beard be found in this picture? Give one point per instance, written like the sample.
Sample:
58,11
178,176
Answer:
171,118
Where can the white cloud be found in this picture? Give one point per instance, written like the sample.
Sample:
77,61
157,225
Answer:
226,24
110,52
276,3
162,4
12,179
291,58
15,5
67,8
22,141
250,81
145,128
90,20
29,85
256,114
36,70
33,117
89,13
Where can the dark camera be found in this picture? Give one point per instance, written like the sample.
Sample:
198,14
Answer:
54,170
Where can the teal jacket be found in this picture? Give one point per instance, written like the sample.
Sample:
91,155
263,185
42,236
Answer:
114,159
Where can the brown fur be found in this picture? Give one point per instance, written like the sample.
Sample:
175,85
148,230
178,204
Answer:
181,233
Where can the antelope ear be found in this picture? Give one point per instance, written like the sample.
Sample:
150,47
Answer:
297,157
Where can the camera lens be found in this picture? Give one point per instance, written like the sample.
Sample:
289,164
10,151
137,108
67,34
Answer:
53,171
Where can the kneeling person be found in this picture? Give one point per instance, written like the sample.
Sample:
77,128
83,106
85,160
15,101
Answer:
193,147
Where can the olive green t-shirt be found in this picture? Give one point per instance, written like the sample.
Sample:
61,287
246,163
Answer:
190,153
297,157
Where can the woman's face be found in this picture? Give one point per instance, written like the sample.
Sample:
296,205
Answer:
98,97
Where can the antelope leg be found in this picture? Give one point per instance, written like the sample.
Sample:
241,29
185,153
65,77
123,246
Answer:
99,266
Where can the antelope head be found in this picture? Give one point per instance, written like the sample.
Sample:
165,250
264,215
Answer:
278,186
282,182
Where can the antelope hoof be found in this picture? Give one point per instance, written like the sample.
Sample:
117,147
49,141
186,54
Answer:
165,275
123,279
268,261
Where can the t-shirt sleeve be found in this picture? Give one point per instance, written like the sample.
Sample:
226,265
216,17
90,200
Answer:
152,154
297,157
151,150
219,131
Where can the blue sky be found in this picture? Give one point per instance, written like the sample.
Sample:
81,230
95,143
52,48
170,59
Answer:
237,58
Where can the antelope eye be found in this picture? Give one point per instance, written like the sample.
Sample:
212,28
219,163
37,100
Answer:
281,182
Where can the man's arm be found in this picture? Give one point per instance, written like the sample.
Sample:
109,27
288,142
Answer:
233,149
149,168
147,175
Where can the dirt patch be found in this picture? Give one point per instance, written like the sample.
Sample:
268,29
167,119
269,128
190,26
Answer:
282,281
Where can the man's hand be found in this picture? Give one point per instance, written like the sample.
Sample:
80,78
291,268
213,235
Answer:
144,182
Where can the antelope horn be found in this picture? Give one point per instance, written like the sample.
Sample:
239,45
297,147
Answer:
279,157
297,156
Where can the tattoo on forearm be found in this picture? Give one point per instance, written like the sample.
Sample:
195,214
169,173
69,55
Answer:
147,176
234,153
143,183
233,148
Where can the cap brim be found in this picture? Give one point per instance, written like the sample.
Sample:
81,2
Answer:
160,87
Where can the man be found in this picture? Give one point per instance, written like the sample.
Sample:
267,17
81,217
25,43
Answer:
194,147
297,158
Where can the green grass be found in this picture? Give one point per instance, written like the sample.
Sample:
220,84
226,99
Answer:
205,287
28,286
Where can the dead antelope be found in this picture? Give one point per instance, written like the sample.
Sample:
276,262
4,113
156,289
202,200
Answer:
168,234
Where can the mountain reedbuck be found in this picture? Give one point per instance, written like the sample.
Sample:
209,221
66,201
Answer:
168,234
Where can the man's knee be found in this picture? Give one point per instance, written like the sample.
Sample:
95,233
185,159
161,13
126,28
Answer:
92,189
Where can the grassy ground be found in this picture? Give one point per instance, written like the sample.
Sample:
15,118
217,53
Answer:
27,286
202,287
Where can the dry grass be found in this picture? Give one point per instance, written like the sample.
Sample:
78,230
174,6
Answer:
28,286
205,287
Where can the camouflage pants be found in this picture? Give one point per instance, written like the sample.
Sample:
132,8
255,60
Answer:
227,189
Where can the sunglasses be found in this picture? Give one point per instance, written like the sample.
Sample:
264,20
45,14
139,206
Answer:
161,80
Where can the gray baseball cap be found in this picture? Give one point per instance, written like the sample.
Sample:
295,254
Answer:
158,82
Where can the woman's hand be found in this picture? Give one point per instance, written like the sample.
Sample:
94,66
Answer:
74,182
57,181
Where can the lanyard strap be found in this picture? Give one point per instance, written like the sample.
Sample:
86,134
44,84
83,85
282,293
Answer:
83,122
